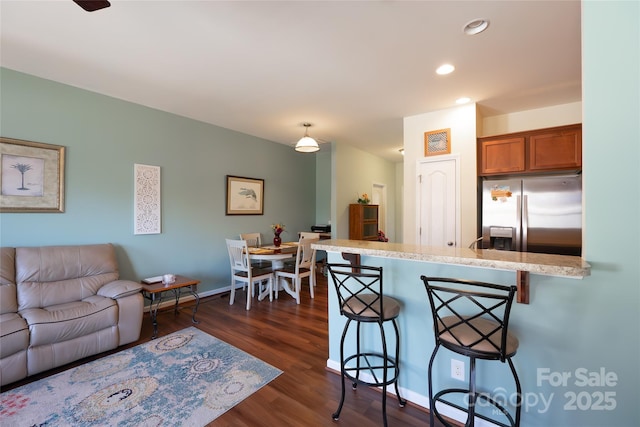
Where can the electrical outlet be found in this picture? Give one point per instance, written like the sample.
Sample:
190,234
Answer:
457,369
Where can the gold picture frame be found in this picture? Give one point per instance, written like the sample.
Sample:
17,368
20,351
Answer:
245,196
437,142
31,176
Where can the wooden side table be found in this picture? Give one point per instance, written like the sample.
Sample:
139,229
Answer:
154,292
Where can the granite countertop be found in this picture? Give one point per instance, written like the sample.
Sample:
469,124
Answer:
551,265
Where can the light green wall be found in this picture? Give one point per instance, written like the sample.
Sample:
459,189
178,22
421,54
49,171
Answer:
355,172
605,315
105,137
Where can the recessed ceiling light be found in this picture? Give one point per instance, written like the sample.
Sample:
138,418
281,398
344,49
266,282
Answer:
475,27
463,100
445,69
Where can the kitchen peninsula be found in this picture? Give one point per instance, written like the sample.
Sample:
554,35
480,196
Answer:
403,264
523,263
551,265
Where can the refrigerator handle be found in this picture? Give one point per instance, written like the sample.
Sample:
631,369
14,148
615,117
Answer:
525,222
518,222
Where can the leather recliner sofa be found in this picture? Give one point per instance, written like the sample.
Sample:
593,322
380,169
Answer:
59,304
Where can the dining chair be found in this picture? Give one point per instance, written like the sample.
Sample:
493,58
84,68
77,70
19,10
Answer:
304,266
306,235
242,271
309,235
254,240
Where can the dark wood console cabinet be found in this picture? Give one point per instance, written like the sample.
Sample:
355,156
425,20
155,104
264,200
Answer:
363,222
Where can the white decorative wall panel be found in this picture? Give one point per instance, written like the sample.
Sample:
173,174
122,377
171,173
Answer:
146,210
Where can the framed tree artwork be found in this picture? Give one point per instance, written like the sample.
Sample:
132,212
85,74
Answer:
31,176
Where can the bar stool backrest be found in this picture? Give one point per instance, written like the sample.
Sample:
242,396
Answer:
359,290
472,318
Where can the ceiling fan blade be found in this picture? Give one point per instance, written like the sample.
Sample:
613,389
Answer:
92,5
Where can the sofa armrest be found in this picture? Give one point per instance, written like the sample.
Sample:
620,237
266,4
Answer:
119,289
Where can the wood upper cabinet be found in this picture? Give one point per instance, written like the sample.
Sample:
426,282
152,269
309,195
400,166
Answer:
561,149
502,156
363,222
534,151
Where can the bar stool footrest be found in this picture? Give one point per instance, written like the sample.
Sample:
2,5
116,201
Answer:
373,365
439,397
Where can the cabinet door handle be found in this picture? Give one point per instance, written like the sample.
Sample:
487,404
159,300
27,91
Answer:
449,243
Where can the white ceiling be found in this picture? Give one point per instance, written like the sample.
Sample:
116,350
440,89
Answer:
353,69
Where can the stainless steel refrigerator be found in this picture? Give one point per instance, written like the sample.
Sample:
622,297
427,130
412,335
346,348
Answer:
540,214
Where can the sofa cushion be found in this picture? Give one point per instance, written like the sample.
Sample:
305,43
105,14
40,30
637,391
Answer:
13,368
7,265
44,357
53,275
8,298
70,320
14,334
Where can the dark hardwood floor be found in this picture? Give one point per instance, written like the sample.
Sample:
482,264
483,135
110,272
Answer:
294,339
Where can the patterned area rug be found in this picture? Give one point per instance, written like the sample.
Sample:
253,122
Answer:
188,378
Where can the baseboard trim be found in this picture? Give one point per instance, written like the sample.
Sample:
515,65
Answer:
415,398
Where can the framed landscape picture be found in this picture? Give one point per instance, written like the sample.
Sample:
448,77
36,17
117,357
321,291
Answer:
31,176
245,196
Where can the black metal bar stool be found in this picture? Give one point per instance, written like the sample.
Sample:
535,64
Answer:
472,319
360,298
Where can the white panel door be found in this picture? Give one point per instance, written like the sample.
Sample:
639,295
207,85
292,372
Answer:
438,221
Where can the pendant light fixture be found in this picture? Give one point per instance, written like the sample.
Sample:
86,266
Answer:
306,143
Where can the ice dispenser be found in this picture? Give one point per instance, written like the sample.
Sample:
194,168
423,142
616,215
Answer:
502,238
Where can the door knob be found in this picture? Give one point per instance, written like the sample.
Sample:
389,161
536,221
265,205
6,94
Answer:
449,243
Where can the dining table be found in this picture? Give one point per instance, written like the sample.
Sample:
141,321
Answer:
277,255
